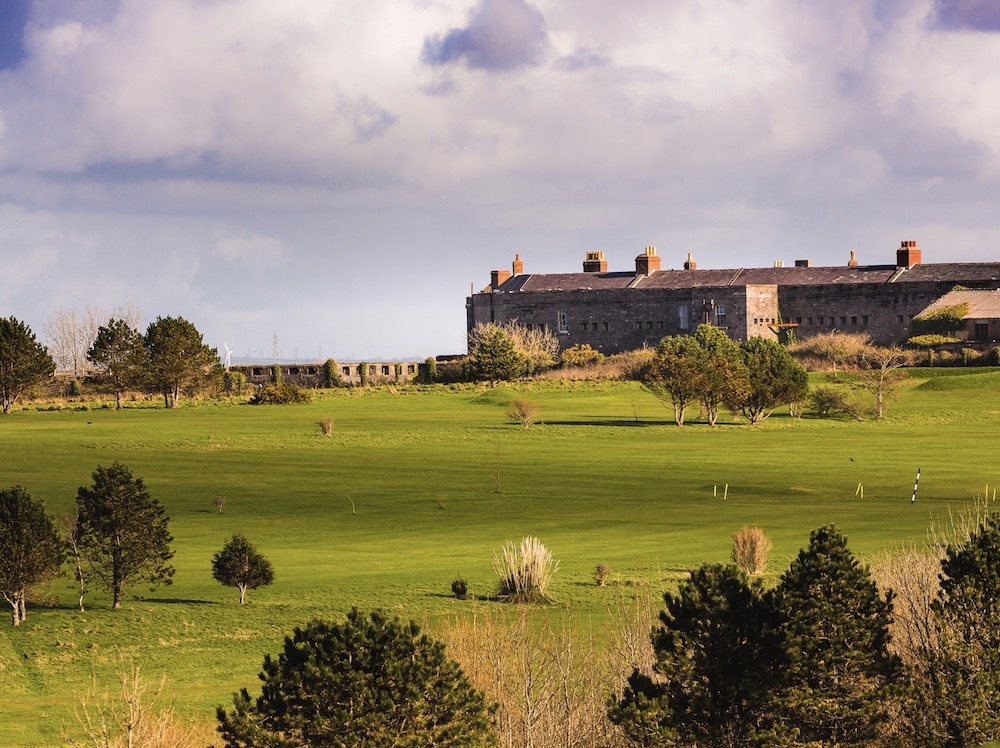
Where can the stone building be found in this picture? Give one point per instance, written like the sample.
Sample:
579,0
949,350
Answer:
614,311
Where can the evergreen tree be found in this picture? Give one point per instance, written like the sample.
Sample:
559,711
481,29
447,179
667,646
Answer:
31,550
239,564
122,531
179,359
775,378
119,354
24,362
676,373
714,652
838,678
494,355
369,682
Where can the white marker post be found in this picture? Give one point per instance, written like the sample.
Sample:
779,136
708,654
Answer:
914,497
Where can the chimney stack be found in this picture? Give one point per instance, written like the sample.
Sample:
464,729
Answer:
517,266
595,263
908,255
689,263
497,278
648,262
853,262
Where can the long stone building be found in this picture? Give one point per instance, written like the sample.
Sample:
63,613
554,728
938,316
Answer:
615,311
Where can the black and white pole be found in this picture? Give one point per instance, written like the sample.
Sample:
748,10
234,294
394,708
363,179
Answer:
914,497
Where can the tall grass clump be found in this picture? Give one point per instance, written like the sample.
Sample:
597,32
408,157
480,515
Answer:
525,571
750,549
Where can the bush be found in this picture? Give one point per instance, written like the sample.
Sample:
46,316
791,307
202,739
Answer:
750,549
460,588
525,571
331,375
326,426
929,341
943,321
370,681
580,355
601,574
523,412
827,401
280,393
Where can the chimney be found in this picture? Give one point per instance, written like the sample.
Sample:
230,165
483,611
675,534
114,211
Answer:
853,262
908,255
689,263
517,266
595,263
648,262
497,278
779,263
803,263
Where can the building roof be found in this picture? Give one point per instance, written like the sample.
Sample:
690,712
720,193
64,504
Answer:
983,304
955,272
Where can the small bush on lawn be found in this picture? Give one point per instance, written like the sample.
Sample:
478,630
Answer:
827,401
525,571
523,412
279,393
750,549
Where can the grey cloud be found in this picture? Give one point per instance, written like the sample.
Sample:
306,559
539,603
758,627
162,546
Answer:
368,119
501,35
978,15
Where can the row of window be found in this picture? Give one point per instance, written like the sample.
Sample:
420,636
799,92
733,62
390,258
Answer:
383,369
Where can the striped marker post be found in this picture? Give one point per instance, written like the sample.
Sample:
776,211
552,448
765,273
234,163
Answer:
917,481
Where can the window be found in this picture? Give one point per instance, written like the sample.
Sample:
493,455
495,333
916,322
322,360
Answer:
649,325
561,321
659,324
385,370
854,319
638,325
843,321
720,315
606,327
809,320
864,319
583,326
683,317
593,325
981,331
899,317
293,369
345,370
411,369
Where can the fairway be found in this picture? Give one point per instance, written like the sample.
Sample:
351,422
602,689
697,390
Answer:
403,497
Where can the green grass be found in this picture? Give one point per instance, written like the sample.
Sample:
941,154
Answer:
593,481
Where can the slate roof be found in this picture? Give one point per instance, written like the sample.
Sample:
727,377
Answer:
954,272
983,304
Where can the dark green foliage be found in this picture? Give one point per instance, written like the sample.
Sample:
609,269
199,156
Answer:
119,353
957,699
23,361
331,375
31,550
122,531
725,380
368,682
942,321
494,355
838,679
280,393
460,588
276,374
714,665
428,371
234,381
363,373
775,378
239,564
828,401
179,360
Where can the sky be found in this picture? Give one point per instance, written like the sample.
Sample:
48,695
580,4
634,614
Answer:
332,179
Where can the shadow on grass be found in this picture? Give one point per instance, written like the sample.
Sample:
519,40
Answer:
177,601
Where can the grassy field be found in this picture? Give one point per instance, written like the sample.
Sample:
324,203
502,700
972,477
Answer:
402,498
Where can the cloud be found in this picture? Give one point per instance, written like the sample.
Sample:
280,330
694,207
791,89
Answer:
976,15
259,251
500,35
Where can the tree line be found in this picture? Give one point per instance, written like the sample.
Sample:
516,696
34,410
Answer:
170,358
119,537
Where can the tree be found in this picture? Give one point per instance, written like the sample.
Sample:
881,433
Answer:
878,371
370,681
775,378
23,361
239,564
179,359
70,332
837,674
494,355
122,531
31,550
714,652
331,374
120,357
725,380
675,374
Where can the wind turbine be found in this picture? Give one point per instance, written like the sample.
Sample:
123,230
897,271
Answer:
229,356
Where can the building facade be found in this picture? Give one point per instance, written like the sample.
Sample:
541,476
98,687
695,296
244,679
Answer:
619,311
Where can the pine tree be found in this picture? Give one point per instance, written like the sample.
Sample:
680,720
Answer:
775,378
714,650
838,676
119,354
122,531
239,564
31,550
370,681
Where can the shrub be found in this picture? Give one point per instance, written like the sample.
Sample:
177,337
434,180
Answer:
234,381
826,401
750,549
326,426
601,574
970,356
523,412
943,321
929,341
331,375
525,571
369,681
279,393
276,374
580,355
460,588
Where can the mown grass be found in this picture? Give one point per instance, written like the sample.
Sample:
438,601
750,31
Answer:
400,499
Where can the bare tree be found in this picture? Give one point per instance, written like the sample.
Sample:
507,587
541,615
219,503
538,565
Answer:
879,371
69,333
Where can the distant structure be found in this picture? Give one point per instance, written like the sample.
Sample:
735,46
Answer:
312,374
614,311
